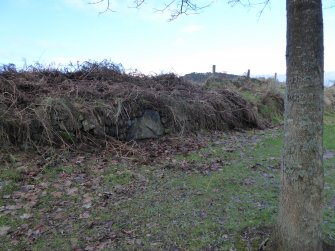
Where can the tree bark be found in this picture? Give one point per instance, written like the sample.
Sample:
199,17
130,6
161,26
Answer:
301,204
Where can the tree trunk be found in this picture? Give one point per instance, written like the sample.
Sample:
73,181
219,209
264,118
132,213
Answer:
301,204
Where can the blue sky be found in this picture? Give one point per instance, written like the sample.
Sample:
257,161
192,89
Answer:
233,38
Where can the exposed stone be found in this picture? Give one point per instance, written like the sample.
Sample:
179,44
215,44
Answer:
62,114
4,230
22,169
89,122
147,126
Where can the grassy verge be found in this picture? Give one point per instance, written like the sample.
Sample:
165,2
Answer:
221,197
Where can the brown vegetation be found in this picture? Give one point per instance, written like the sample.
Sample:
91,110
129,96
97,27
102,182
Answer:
97,101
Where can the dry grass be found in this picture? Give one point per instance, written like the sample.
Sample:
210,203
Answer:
96,101
330,98
264,95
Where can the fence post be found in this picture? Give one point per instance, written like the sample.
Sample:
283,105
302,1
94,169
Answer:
214,69
248,74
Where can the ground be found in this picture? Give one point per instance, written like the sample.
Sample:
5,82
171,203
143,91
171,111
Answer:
203,191
78,185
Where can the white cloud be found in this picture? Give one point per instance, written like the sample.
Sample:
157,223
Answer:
47,44
180,41
193,28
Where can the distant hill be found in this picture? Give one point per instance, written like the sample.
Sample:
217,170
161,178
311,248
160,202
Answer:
201,78
328,81
329,78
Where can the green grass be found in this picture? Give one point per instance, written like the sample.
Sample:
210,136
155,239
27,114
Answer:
53,171
118,175
329,192
10,176
259,93
250,96
329,131
56,243
271,112
196,211
9,171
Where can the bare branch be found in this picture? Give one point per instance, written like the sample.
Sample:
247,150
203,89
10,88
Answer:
137,3
183,7
187,7
265,4
166,7
248,4
108,5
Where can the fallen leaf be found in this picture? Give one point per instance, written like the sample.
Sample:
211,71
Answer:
22,169
14,242
87,205
102,245
44,185
30,232
30,204
17,195
26,188
89,248
25,216
225,237
128,232
4,230
80,159
57,194
63,175
156,244
13,207
74,242
109,224
67,183
84,215
39,228
87,198
72,191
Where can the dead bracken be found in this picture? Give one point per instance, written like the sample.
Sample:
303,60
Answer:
99,101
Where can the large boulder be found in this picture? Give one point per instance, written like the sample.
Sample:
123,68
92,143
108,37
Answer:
147,126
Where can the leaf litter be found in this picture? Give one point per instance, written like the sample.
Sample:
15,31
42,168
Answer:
54,213
73,199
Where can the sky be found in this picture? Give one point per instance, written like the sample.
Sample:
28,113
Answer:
234,38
